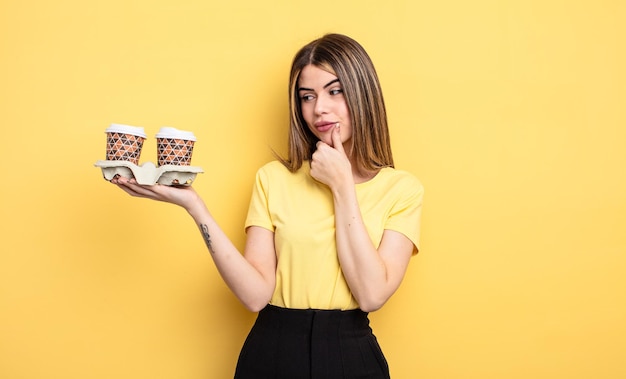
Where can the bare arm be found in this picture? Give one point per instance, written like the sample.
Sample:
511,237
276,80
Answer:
373,275
251,276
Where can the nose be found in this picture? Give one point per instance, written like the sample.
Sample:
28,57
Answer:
321,105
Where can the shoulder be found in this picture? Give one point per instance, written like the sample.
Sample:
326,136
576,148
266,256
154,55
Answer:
272,168
400,179
276,171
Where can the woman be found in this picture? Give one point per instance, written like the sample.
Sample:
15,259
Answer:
330,228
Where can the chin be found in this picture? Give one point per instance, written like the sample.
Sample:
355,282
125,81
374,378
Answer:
326,139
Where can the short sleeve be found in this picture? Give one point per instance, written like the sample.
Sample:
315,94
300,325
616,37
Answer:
406,214
258,211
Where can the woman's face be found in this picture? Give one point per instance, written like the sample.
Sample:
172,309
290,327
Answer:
323,104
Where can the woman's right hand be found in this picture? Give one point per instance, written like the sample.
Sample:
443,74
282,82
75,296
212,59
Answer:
185,197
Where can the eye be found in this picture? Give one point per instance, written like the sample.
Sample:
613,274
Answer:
336,91
307,97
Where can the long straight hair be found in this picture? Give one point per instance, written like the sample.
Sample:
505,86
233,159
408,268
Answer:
347,59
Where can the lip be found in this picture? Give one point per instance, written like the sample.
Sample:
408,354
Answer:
324,126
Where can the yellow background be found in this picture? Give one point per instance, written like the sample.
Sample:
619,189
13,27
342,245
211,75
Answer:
512,113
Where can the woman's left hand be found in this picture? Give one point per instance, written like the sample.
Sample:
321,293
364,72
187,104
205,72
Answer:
330,164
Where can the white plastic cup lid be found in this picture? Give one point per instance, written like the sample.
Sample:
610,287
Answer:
126,129
169,132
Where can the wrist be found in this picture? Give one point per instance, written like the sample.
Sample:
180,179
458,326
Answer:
195,206
343,189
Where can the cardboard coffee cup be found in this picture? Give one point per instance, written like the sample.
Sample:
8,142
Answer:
174,147
124,143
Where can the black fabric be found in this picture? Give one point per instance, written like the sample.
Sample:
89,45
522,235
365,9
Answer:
311,344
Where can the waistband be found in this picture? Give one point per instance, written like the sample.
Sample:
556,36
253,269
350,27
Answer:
336,322
310,311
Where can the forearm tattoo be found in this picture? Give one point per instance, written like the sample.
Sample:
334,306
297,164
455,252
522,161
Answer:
207,238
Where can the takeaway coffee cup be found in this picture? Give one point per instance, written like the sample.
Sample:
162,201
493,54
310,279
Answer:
174,147
124,143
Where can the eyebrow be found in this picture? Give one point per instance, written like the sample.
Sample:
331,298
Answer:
325,86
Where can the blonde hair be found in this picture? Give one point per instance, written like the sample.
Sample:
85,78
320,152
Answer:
347,59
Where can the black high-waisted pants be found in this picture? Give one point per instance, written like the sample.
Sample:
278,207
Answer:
311,344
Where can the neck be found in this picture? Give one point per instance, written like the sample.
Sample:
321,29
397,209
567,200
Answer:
362,176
